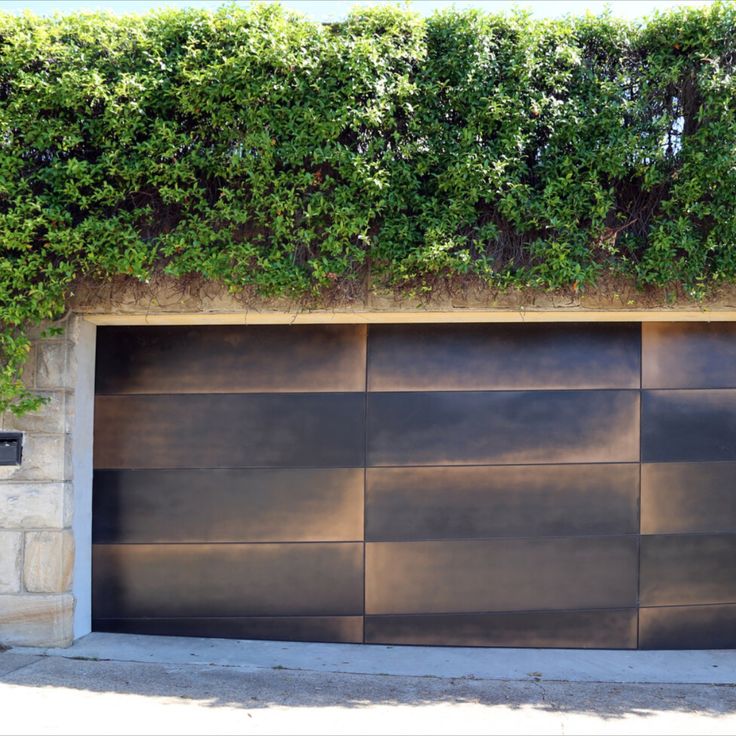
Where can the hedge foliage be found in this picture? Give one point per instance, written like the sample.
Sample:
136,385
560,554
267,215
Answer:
260,149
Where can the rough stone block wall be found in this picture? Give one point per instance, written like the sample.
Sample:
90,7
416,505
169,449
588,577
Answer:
36,506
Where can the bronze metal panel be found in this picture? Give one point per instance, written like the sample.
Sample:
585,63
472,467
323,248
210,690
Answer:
219,580
684,425
688,497
236,430
230,359
480,357
343,629
686,355
502,427
501,501
688,627
688,569
501,575
600,629
222,505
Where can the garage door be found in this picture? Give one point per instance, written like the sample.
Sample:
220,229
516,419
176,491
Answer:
555,485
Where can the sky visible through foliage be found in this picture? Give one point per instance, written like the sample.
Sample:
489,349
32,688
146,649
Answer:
332,10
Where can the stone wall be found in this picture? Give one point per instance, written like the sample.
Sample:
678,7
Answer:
37,503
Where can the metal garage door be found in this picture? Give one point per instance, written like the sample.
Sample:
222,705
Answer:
436,484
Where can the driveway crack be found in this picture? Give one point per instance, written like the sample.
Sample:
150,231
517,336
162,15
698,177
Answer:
20,667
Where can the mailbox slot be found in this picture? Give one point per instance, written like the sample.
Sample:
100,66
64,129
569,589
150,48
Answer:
11,448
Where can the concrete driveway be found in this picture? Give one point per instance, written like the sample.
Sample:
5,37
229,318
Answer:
109,684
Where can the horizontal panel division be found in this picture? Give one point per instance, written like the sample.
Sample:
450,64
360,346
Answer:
501,501
230,359
228,505
502,427
684,425
501,575
683,570
492,357
343,629
214,580
600,629
686,355
688,497
688,627
237,430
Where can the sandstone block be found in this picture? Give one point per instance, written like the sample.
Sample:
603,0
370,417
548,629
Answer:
36,620
10,557
29,369
49,560
51,364
49,418
44,458
32,505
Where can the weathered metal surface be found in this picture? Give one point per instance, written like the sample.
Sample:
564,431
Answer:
230,359
501,501
213,580
603,629
688,355
688,497
525,574
688,425
688,627
343,629
229,431
502,427
502,357
501,472
228,505
684,569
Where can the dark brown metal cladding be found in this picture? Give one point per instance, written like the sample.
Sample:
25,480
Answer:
237,430
688,627
501,501
688,569
503,357
342,629
688,497
601,629
685,425
500,575
228,505
231,359
225,580
689,355
502,427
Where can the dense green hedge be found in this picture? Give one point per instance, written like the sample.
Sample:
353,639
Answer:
266,151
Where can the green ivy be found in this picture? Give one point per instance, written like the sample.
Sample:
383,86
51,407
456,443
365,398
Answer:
264,151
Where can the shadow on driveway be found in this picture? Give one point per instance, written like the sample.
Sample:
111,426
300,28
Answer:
212,686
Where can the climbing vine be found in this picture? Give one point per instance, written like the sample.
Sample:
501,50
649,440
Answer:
264,151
